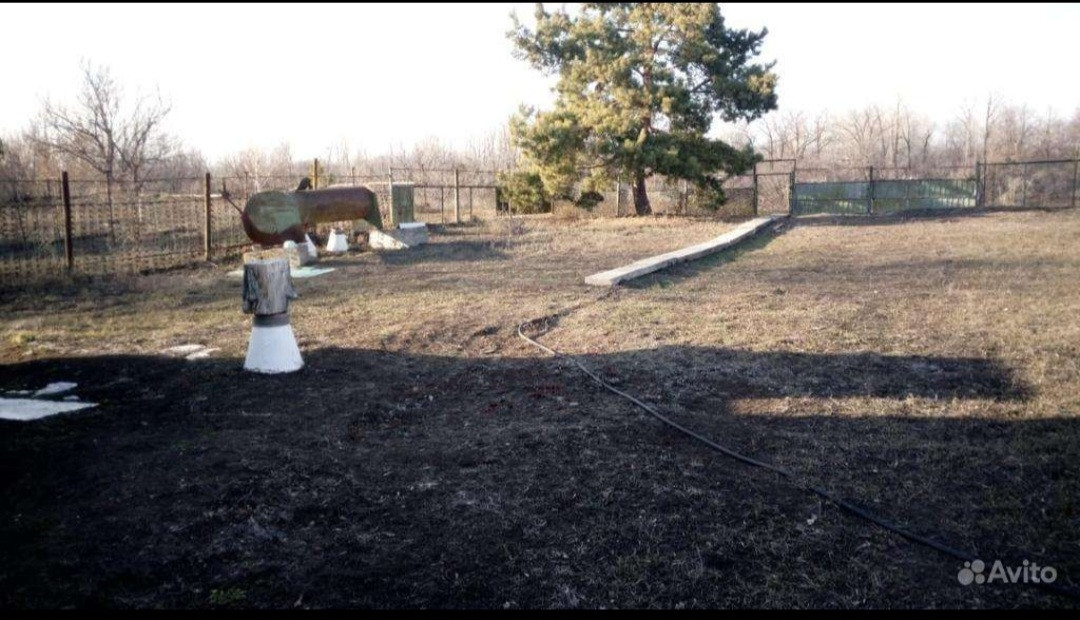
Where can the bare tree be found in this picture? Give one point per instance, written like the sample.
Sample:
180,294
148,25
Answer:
993,108
142,144
1019,133
100,133
88,131
791,135
859,129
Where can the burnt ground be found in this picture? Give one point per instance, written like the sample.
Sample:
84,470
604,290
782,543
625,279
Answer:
406,468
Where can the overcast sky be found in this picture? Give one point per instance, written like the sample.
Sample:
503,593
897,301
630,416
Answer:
382,75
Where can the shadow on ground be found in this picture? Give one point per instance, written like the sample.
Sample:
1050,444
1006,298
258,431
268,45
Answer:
382,479
444,252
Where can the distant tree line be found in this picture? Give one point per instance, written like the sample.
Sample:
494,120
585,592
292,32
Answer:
895,136
105,135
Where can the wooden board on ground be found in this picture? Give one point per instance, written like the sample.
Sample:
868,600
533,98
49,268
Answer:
660,261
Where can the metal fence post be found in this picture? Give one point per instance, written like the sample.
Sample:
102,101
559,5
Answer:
870,197
390,191
1076,177
756,192
978,184
69,249
207,225
985,179
793,202
1023,187
457,197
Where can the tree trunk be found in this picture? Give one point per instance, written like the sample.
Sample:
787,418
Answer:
641,196
267,287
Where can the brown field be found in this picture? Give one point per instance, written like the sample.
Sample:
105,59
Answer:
925,368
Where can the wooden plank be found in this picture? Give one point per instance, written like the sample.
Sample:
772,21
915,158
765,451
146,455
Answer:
660,261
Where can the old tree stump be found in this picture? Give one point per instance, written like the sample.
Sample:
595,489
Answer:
268,287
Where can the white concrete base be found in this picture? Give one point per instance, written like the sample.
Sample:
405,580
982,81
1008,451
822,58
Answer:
273,350
25,409
660,261
404,237
311,247
338,242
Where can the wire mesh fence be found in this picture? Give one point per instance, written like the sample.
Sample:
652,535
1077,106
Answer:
667,197
106,228
1047,184
126,226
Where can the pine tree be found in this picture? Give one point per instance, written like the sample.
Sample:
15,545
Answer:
639,86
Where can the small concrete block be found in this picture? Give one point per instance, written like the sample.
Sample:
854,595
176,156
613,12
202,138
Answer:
378,240
299,254
404,237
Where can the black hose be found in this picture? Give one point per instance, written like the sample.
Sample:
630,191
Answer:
842,503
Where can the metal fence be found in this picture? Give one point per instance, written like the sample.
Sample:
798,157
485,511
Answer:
59,226
440,195
1047,184
668,197
854,191
50,228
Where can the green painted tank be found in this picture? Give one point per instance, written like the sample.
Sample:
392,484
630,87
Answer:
272,218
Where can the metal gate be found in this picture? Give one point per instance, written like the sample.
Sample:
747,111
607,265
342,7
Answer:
772,186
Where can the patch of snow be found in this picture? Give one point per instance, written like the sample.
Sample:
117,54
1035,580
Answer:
57,387
25,409
71,398
198,355
185,349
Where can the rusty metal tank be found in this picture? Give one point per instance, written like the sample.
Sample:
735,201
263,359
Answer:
272,218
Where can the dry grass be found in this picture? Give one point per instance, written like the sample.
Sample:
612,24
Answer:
476,277
926,368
